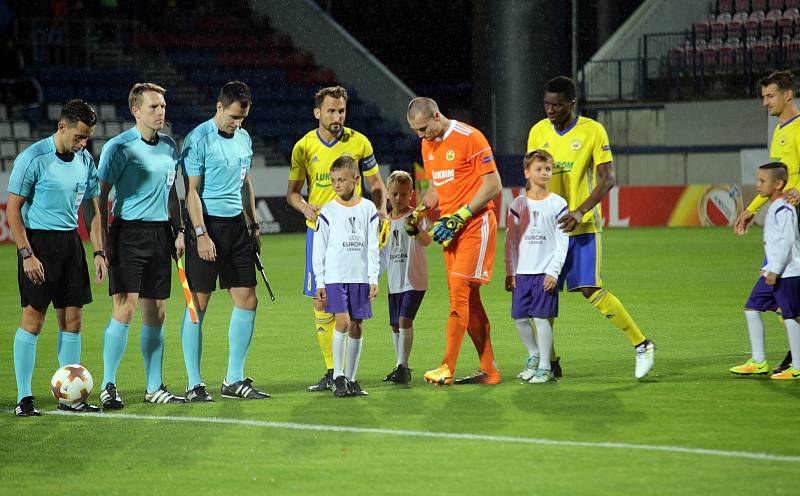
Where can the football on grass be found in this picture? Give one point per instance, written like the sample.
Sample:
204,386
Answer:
71,384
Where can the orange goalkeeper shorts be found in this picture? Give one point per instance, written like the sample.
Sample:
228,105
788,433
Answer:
471,253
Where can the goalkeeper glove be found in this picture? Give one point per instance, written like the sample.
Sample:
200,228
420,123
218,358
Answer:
412,223
448,225
383,233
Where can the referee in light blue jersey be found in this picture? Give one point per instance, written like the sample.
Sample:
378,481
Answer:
225,235
140,165
50,181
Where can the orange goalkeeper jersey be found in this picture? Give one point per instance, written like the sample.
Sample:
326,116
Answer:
455,162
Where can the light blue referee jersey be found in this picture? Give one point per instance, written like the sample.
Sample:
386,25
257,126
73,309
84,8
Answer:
53,189
223,161
142,174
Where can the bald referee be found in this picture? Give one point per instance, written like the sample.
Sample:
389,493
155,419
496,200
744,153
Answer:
49,182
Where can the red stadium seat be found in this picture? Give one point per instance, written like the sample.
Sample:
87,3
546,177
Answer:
727,57
725,6
769,26
793,50
786,23
775,4
742,5
792,4
758,5
676,58
702,28
709,58
718,29
753,23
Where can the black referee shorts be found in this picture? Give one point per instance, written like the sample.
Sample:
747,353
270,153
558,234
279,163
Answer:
235,263
66,273
141,260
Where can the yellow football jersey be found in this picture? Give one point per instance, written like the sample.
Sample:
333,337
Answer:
312,158
785,147
575,151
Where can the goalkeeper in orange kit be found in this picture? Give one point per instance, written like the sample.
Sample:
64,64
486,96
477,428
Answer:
463,176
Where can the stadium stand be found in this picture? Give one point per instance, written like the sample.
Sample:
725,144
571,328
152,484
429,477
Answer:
99,59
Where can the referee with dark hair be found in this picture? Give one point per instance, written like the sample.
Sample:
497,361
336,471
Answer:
50,181
216,160
140,164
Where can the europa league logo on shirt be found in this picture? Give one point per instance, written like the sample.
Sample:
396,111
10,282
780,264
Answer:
351,224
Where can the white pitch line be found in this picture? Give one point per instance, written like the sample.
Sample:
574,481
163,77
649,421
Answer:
440,435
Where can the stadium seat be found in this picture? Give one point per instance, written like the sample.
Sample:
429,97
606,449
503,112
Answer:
3,112
793,50
111,128
676,60
8,149
709,59
725,6
702,28
775,4
107,111
21,129
53,111
791,4
97,146
22,144
5,130
760,52
742,5
727,56
719,26
769,23
758,5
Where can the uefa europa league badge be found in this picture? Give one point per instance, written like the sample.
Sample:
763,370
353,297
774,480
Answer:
451,154
351,224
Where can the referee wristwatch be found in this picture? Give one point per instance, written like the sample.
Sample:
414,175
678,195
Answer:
199,231
25,252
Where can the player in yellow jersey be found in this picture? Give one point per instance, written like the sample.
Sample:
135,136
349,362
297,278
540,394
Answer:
583,174
777,95
312,157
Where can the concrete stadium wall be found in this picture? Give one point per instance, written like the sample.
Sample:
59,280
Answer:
688,142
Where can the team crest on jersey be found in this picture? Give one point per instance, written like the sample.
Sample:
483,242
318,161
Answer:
351,224
782,141
450,155
576,144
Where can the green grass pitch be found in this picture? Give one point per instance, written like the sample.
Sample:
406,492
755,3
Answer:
684,287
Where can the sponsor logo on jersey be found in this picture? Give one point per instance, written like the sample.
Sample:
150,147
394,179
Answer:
443,176
606,148
546,144
322,180
782,141
488,159
430,157
562,167
576,144
315,159
450,155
